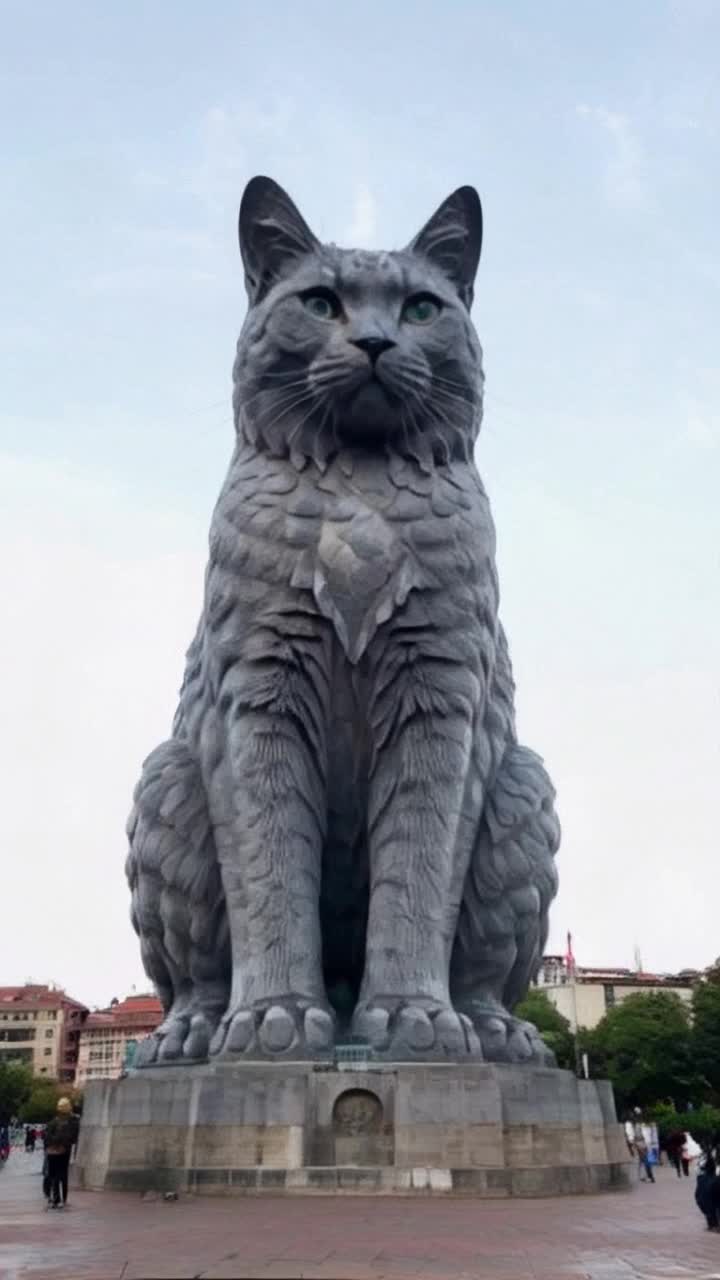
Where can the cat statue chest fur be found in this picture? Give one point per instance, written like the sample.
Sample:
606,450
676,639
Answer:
360,536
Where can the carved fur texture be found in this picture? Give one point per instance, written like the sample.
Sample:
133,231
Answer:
343,837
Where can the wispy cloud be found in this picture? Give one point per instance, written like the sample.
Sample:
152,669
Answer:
363,225
701,432
623,181
233,144
697,428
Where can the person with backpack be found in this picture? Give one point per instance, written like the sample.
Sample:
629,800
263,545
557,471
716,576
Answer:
60,1138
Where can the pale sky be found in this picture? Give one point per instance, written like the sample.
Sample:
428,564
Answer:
592,132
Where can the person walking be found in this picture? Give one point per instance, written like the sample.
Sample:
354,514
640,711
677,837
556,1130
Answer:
642,1152
690,1151
60,1138
707,1194
674,1144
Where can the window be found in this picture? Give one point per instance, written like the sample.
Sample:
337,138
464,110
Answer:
17,1055
18,1033
47,1052
609,996
49,1034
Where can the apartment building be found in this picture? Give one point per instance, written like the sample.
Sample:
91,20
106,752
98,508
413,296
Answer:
41,1025
108,1035
584,995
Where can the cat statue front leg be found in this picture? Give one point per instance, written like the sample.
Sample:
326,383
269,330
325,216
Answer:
270,838
419,843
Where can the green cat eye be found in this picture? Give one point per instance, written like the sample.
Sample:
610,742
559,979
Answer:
322,304
421,310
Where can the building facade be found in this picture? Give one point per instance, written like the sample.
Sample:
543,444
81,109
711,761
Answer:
41,1026
584,995
108,1033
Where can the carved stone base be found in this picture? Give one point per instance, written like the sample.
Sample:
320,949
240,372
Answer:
411,1129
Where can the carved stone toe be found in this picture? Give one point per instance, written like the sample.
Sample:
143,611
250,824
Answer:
371,1025
277,1030
171,1045
413,1031
241,1032
319,1031
450,1033
197,1040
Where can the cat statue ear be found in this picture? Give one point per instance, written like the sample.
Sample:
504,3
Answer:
452,240
272,233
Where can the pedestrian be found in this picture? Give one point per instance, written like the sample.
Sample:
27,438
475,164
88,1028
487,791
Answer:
641,1150
707,1194
690,1151
60,1138
674,1144
4,1143
29,1139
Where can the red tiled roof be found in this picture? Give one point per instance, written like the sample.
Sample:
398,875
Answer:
97,1020
138,1004
38,996
132,1012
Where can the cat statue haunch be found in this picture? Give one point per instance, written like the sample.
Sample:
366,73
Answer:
343,835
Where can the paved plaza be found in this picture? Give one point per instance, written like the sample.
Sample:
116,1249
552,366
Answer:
651,1232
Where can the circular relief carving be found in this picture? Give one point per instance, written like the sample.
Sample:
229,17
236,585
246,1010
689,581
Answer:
357,1111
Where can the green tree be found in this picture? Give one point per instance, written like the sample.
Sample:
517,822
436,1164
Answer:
706,1034
41,1103
702,1122
15,1086
553,1027
644,1046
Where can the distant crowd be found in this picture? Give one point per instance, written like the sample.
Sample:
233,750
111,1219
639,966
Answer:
682,1153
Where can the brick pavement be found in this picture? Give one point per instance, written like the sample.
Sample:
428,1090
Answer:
652,1233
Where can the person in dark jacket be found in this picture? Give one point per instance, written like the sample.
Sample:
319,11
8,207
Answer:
60,1138
707,1194
674,1144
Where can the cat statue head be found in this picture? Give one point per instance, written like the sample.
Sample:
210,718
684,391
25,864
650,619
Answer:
346,347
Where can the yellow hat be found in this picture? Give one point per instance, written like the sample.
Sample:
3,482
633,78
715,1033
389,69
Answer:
64,1104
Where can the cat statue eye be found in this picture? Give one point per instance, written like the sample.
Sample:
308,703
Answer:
421,310
322,305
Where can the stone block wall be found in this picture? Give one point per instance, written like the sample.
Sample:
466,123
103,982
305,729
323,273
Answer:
414,1129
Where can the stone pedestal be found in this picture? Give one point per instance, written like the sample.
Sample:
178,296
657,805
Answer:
234,1128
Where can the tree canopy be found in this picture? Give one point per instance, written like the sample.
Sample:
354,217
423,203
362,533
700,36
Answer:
15,1087
553,1027
644,1045
706,1034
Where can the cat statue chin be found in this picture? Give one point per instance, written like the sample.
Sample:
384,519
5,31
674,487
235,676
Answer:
342,837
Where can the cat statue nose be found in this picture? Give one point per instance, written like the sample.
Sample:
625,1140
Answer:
373,347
